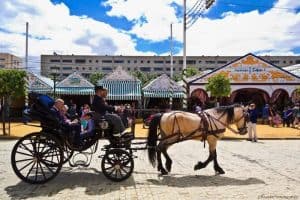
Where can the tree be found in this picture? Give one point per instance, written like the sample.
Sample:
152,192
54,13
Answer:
95,77
219,86
12,84
144,77
191,71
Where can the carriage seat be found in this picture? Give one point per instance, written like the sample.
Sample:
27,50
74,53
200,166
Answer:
41,110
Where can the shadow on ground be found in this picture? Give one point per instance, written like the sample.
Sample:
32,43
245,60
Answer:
91,180
203,181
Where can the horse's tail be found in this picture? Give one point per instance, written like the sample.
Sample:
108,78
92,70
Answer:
152,138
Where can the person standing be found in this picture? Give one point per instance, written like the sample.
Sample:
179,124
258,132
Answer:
265,114
252,123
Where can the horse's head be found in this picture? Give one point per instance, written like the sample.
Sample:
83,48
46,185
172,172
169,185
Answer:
241,117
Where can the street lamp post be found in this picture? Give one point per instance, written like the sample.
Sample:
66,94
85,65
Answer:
193,14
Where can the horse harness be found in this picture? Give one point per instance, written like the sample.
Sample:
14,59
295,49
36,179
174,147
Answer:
207,127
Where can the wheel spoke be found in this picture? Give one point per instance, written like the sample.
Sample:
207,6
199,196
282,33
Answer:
25,154
36,171
26,148
23,160
30,170
25,166
48,167
42,171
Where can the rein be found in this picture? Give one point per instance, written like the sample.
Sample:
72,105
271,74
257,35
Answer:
226,125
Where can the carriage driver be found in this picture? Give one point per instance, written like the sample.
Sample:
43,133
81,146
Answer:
100,106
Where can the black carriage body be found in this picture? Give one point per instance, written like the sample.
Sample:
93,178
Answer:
46,151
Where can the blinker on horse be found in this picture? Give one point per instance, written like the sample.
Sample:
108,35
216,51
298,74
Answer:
178,126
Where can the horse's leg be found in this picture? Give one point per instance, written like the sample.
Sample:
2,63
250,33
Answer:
201,165
212,142
168,159
159,162
217,167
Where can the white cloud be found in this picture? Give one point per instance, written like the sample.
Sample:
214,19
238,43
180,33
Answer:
57,30
274,31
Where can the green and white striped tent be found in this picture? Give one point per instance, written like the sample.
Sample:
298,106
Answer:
121,86
163,87
75,84
39,84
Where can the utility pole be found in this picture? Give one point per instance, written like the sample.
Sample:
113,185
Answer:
192,15
171,64
184,58
26,66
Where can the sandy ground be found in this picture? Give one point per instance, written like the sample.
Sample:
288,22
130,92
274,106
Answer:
263,131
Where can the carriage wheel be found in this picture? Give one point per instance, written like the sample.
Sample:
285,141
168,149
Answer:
37,158
117,165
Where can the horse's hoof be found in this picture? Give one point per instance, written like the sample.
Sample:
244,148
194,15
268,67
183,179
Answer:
198,166
163,173
219,171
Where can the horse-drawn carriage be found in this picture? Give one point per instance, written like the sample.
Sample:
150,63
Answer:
39,157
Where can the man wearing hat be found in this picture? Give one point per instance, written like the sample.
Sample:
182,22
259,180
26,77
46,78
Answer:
252,122
100,106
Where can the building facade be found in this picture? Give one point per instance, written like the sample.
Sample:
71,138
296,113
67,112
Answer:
9,61
64,65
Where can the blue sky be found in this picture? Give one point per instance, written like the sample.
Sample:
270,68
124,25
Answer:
141,27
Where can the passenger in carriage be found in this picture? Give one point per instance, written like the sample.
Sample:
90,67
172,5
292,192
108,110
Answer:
100,106
89,129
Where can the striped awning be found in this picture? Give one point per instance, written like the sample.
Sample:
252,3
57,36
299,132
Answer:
74,91
40,90
163,94
122,89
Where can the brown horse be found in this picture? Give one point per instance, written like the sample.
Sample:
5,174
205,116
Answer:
177,126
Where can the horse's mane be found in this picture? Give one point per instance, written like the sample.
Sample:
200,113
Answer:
229,110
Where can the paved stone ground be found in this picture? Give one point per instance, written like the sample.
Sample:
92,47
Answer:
263,170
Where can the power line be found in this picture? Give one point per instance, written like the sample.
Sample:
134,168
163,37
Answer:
254,5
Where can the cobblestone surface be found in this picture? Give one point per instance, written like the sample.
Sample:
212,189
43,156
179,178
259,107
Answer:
263,170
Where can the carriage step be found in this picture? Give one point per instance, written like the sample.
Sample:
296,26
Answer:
80,163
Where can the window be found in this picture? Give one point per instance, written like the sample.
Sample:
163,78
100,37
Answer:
106,68
90,68
158,69
67,61
169,69
2,59
168,61
97,61
142,61
54,60
80,61
118,61
191,62
77,68
209,62
297,61
199,61
222,62
65,75
145,69
106,61
181,62
67,68
135,61
53,68
128,61
275,61
148,61
1,66
284,61
90,61
158,61
291,62
128,68
83,68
